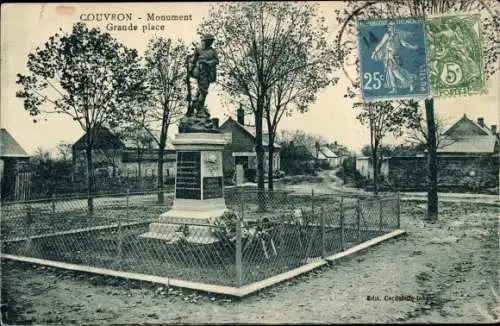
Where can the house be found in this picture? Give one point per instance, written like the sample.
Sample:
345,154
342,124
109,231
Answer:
125,157
468,137
468,158
327,155
241,148
14,169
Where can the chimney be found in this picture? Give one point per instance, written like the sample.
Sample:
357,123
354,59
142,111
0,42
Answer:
240,114
494,129
480,121
215,122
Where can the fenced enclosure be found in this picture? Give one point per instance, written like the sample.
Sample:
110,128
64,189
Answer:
265,234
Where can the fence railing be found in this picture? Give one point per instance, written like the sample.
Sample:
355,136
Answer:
265,233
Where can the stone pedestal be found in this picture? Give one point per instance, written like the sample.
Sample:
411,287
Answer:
199,189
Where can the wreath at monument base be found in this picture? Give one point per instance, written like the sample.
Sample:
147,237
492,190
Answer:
224,228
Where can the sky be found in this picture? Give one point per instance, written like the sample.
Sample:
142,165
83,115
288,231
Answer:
26,26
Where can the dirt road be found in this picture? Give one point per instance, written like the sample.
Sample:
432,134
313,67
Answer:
328,182
449,269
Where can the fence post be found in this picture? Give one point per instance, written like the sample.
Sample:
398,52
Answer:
358,218
242,203
323,234
128,205
312,203
29,214
238,253
398,212
342,227
28,221
53,203
380,214
120,246
120,232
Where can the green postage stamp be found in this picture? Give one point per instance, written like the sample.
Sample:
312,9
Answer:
454,55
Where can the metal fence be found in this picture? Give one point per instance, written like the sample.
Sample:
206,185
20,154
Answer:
267,233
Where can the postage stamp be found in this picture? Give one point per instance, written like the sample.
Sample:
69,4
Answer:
455,58
392,55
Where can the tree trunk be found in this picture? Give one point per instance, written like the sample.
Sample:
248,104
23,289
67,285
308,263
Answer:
375,169
260,156
90,175
113,162
161,198
139,174
73,166
161,151
139,159
432,196
374,143
270,165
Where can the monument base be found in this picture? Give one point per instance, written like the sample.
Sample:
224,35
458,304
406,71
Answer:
199,190
189,219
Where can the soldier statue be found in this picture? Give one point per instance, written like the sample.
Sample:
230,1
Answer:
201,65
203,69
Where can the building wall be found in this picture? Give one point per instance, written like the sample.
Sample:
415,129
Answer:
148,169
240,142
252,161
243,142
364,167
100,158
104,160
464,172
334,161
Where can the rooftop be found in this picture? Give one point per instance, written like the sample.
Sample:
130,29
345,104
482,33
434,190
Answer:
327,152
470,144
252,131
9,147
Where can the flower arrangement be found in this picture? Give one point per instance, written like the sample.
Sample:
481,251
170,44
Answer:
224,228
180,235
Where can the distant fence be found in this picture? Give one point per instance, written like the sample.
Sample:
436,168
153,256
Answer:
16,184
29,186
22,190
267,234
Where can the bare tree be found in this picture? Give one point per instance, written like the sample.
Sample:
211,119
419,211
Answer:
297,88
419,135
254,41
165,72
384,118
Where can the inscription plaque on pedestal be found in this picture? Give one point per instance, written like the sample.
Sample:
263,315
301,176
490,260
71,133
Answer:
199,190
212,187
188,180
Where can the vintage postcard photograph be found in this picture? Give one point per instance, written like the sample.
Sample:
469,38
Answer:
329,162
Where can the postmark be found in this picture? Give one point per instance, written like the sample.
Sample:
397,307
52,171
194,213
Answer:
392,55
455,59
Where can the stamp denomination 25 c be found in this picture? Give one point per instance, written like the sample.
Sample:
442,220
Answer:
392,56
